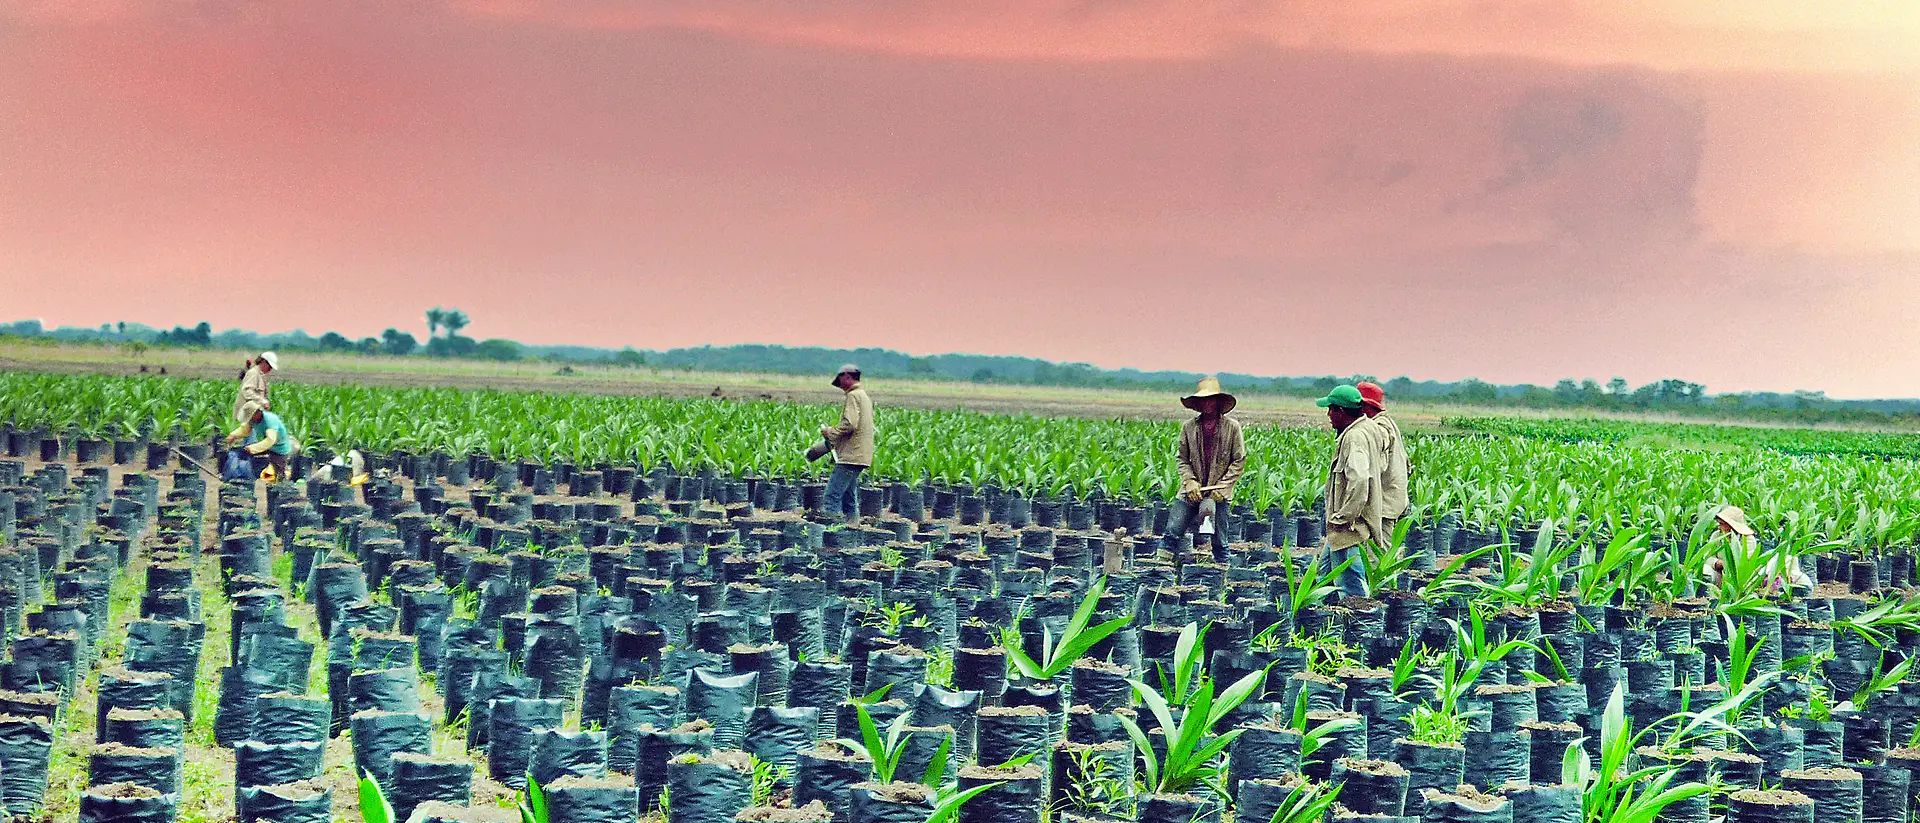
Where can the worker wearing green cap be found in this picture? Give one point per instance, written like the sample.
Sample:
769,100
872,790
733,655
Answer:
1354,500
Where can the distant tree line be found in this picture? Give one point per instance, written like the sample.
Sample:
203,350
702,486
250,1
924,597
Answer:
444,339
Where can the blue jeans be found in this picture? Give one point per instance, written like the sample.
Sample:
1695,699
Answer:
1353,581
1183,515
843,491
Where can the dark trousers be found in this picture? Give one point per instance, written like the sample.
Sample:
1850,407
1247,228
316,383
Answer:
1182,516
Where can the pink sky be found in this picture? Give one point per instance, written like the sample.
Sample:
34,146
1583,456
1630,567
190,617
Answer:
1522,191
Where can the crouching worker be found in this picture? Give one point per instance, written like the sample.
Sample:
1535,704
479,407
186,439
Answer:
268,443
350,468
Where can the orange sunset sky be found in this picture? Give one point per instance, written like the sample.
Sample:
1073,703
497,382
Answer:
1726,191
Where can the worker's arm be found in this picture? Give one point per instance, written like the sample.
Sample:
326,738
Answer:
265,443
239,434
1356,467
849,421
1236,462
1183,460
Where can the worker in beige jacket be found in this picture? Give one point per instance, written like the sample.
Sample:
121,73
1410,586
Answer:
1393,454
852,442
1355,511
1211,457
253,387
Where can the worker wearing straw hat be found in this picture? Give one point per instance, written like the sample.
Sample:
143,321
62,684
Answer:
1355,510
1732,522
852,444
253,385
1393,457
1211,457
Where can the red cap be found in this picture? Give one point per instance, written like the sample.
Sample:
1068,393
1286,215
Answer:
1372,395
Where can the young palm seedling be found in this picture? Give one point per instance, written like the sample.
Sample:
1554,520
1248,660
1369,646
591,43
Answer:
1074,642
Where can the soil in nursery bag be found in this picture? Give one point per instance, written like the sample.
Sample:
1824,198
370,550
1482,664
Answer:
271,764
1779,748
1348,742
126,803
419,778
511,726
385,690
1837,793
1191,808
1466,807
489,688
825,773
1543,804
240,690
378,736
1084,725
559,753
576,799
1372,786
981,670
1079,765
438,812
123,688
1750,806
722,700
1884,793
900,666
629,708
822,685
308,801
1101,685
147,728
158,769
26,743
711,788
1259,799
778,735
1006,733
771,663
1269,750
654,748
1020,796
920,746
1548,744
1429,766
813,812
1824,742
889,803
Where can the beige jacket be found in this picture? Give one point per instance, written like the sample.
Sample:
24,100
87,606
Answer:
1229,454
1393,468
853,439
253,389
1354,510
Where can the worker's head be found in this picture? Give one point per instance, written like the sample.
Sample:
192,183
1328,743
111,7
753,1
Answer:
1209,399
1373,399
1344,406
847,377
253,413
1732,520
268,361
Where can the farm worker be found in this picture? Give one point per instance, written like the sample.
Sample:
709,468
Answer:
1393,456
1732,521
351,468
1355,511
852,443
1211,456
267,438
253,385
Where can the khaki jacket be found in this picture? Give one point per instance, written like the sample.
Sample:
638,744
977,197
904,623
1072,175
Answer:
253,389
1354,510
1229,453
853,439
1393,468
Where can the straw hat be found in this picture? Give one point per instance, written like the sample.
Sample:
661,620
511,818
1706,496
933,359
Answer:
1735,518
1210,387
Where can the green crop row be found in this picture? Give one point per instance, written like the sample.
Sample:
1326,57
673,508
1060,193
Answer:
1786,441
1495,479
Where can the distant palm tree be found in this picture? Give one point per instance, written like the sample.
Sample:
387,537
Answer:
436,317
454,320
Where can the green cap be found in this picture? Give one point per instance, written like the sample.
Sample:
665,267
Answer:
1344,396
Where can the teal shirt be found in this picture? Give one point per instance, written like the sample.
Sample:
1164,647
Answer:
272,422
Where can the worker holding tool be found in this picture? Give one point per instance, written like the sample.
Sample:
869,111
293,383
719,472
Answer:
253,385
267,440
852,444
1211,457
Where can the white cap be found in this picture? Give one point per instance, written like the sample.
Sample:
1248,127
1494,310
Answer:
273,360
